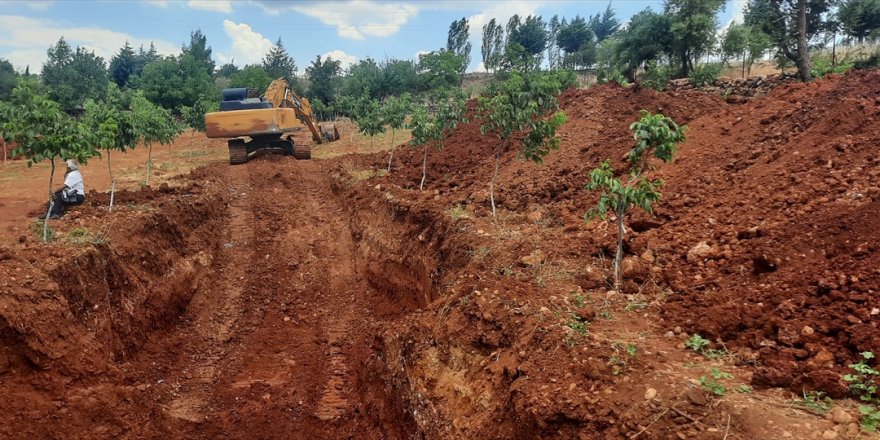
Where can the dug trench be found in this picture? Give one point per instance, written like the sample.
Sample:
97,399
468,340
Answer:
247,302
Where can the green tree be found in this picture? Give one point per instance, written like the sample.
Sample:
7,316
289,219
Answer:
113,126
531,35
227,70
395,111
398,77
371,121
493,35
194,117
655,135
122,65
143,58
433,127
735,44
176,82
648,37
8,79
43,132
457,41
860,19
790,25
199,51
576,39
323,78
279,64
364,79
441,69
574,34
554,58
253,77
522,104
604,25
155,124
72,76
693,26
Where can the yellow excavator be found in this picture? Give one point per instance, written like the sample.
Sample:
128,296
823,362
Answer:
270,122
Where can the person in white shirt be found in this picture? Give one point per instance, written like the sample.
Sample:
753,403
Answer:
72,193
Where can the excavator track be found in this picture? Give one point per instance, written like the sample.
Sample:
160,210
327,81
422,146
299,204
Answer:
302,152
237,152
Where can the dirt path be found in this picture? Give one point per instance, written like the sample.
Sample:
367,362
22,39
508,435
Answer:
269,349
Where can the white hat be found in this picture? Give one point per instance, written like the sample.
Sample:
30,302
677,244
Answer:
72,164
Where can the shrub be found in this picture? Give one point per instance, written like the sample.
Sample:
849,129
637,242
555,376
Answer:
705,74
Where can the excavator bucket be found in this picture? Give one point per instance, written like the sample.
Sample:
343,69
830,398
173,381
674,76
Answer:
329,131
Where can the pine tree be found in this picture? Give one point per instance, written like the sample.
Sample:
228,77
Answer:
122,65
278,63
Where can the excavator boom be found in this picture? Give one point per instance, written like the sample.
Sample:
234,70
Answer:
281,95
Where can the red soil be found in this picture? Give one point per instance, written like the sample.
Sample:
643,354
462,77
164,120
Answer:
287,299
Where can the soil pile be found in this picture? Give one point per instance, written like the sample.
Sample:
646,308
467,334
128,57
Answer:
766,234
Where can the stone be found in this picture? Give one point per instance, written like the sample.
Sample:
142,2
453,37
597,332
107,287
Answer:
807,331
829,435
701,251
875,311
633,268
535,258
650,394
839,416
648,256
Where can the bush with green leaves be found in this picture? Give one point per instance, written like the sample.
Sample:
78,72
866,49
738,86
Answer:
43,132
822,66
371,121
522,104
655,135
656,76
394,113
114,128
433,127
705,74
864,384
155,124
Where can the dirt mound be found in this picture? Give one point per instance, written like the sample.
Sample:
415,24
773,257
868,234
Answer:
782,189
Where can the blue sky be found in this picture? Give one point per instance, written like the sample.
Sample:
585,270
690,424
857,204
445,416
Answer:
244,30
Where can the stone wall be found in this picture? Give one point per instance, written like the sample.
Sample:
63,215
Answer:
745,87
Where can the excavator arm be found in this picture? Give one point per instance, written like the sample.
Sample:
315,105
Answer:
281,95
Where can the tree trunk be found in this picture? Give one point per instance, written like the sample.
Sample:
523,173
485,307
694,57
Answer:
618,258
191,136
391,154
803,57
834,48
492,183
112,181
424,168
149,164
51,203
744,65
3,141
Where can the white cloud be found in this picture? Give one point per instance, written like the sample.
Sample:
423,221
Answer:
28,38
345,60
357,19
157,3
248,46
212,5
420,53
